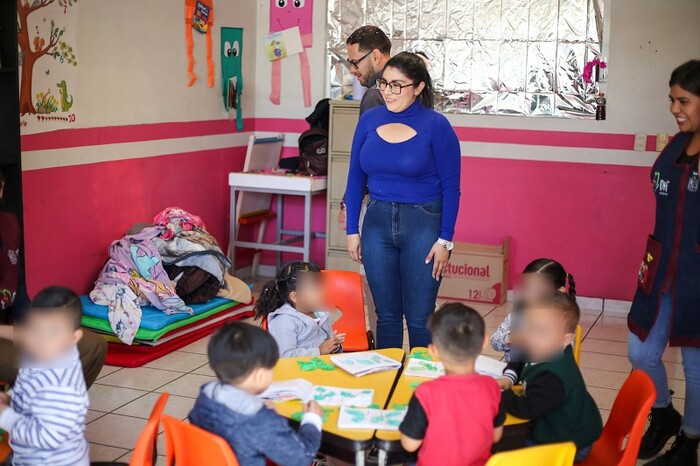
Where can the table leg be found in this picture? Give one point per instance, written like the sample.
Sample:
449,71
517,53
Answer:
381,458
307,227
360,458
232,232
280,224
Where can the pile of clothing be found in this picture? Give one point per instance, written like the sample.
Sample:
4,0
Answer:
172,265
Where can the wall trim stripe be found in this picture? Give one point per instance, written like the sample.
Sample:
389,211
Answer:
83,137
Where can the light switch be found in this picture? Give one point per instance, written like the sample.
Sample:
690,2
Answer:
640,141
661,141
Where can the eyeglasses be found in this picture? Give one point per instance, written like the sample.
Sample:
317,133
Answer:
356,62
394,87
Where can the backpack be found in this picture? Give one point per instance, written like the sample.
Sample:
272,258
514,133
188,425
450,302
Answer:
313,152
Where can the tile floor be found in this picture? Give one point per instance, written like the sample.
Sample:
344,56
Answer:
121,398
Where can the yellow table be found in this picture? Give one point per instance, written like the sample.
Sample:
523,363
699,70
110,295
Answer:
389,440
356,441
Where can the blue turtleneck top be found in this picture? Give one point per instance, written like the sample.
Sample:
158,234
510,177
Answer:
422,169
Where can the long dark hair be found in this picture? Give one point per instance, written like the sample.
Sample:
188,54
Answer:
555,271
687,76
275,294
413,67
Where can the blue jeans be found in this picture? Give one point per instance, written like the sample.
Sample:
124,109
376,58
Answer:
396,239
646,355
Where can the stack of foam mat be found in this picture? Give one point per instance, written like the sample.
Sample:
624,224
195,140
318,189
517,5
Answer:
159,333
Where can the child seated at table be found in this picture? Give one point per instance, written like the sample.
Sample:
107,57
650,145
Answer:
292,305
45,414
555,397
454,419
541,276
243,356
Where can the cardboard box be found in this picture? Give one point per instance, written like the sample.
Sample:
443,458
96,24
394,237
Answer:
477,273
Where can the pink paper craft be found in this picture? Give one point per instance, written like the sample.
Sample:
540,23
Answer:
285,14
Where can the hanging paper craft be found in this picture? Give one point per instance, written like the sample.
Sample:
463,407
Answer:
200,22
286,14
232,72
359,364
422,368
48,60
199,15
283,44
380,419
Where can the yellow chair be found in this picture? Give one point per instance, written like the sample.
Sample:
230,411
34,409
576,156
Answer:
577,344
555,454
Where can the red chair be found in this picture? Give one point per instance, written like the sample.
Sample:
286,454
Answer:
191,446
627,419
343,290
144,453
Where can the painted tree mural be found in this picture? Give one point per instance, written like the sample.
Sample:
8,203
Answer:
33,48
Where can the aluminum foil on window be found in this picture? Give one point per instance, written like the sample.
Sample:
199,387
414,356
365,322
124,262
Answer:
505,57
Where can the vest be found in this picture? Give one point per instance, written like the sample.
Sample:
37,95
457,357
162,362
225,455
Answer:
9,259
577,418
671,262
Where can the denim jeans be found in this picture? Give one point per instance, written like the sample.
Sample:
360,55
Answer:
646,355
396,239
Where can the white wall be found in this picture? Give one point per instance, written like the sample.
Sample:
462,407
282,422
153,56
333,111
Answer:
147,38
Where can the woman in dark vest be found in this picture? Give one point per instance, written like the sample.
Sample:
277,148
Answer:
666,307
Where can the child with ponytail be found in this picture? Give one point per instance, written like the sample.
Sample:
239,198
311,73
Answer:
540,277
292,304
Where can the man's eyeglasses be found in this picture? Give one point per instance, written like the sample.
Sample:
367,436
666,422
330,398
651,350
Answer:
356,62
394,87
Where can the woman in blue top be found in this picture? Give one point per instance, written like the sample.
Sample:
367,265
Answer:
409,156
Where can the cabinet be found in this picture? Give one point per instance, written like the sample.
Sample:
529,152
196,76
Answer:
343,120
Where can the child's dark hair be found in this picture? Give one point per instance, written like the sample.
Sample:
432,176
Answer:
369,38
237,349
458,331
687,76
555,271
413,67
564,303
58,299
276,292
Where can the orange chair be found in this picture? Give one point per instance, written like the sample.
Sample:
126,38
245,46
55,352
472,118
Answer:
192,446
343,290
144,453
627,418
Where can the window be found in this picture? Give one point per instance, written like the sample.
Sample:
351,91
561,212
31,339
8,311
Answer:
505,57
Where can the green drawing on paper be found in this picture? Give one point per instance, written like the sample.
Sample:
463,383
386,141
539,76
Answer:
374,406
399,406
421,354
315,364
296,416
429,367
356,415
414,385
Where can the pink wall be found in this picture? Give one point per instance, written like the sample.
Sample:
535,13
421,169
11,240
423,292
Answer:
72,214
593,218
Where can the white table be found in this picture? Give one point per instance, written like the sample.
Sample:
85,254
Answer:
280,185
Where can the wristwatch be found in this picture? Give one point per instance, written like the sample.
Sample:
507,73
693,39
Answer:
449,245
342,205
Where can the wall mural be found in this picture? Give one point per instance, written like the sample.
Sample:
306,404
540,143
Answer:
48,63
505,57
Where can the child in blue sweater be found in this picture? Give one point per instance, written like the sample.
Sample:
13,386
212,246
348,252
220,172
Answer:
291,304
242,356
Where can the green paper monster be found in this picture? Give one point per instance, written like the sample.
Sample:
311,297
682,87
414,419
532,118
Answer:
232,71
